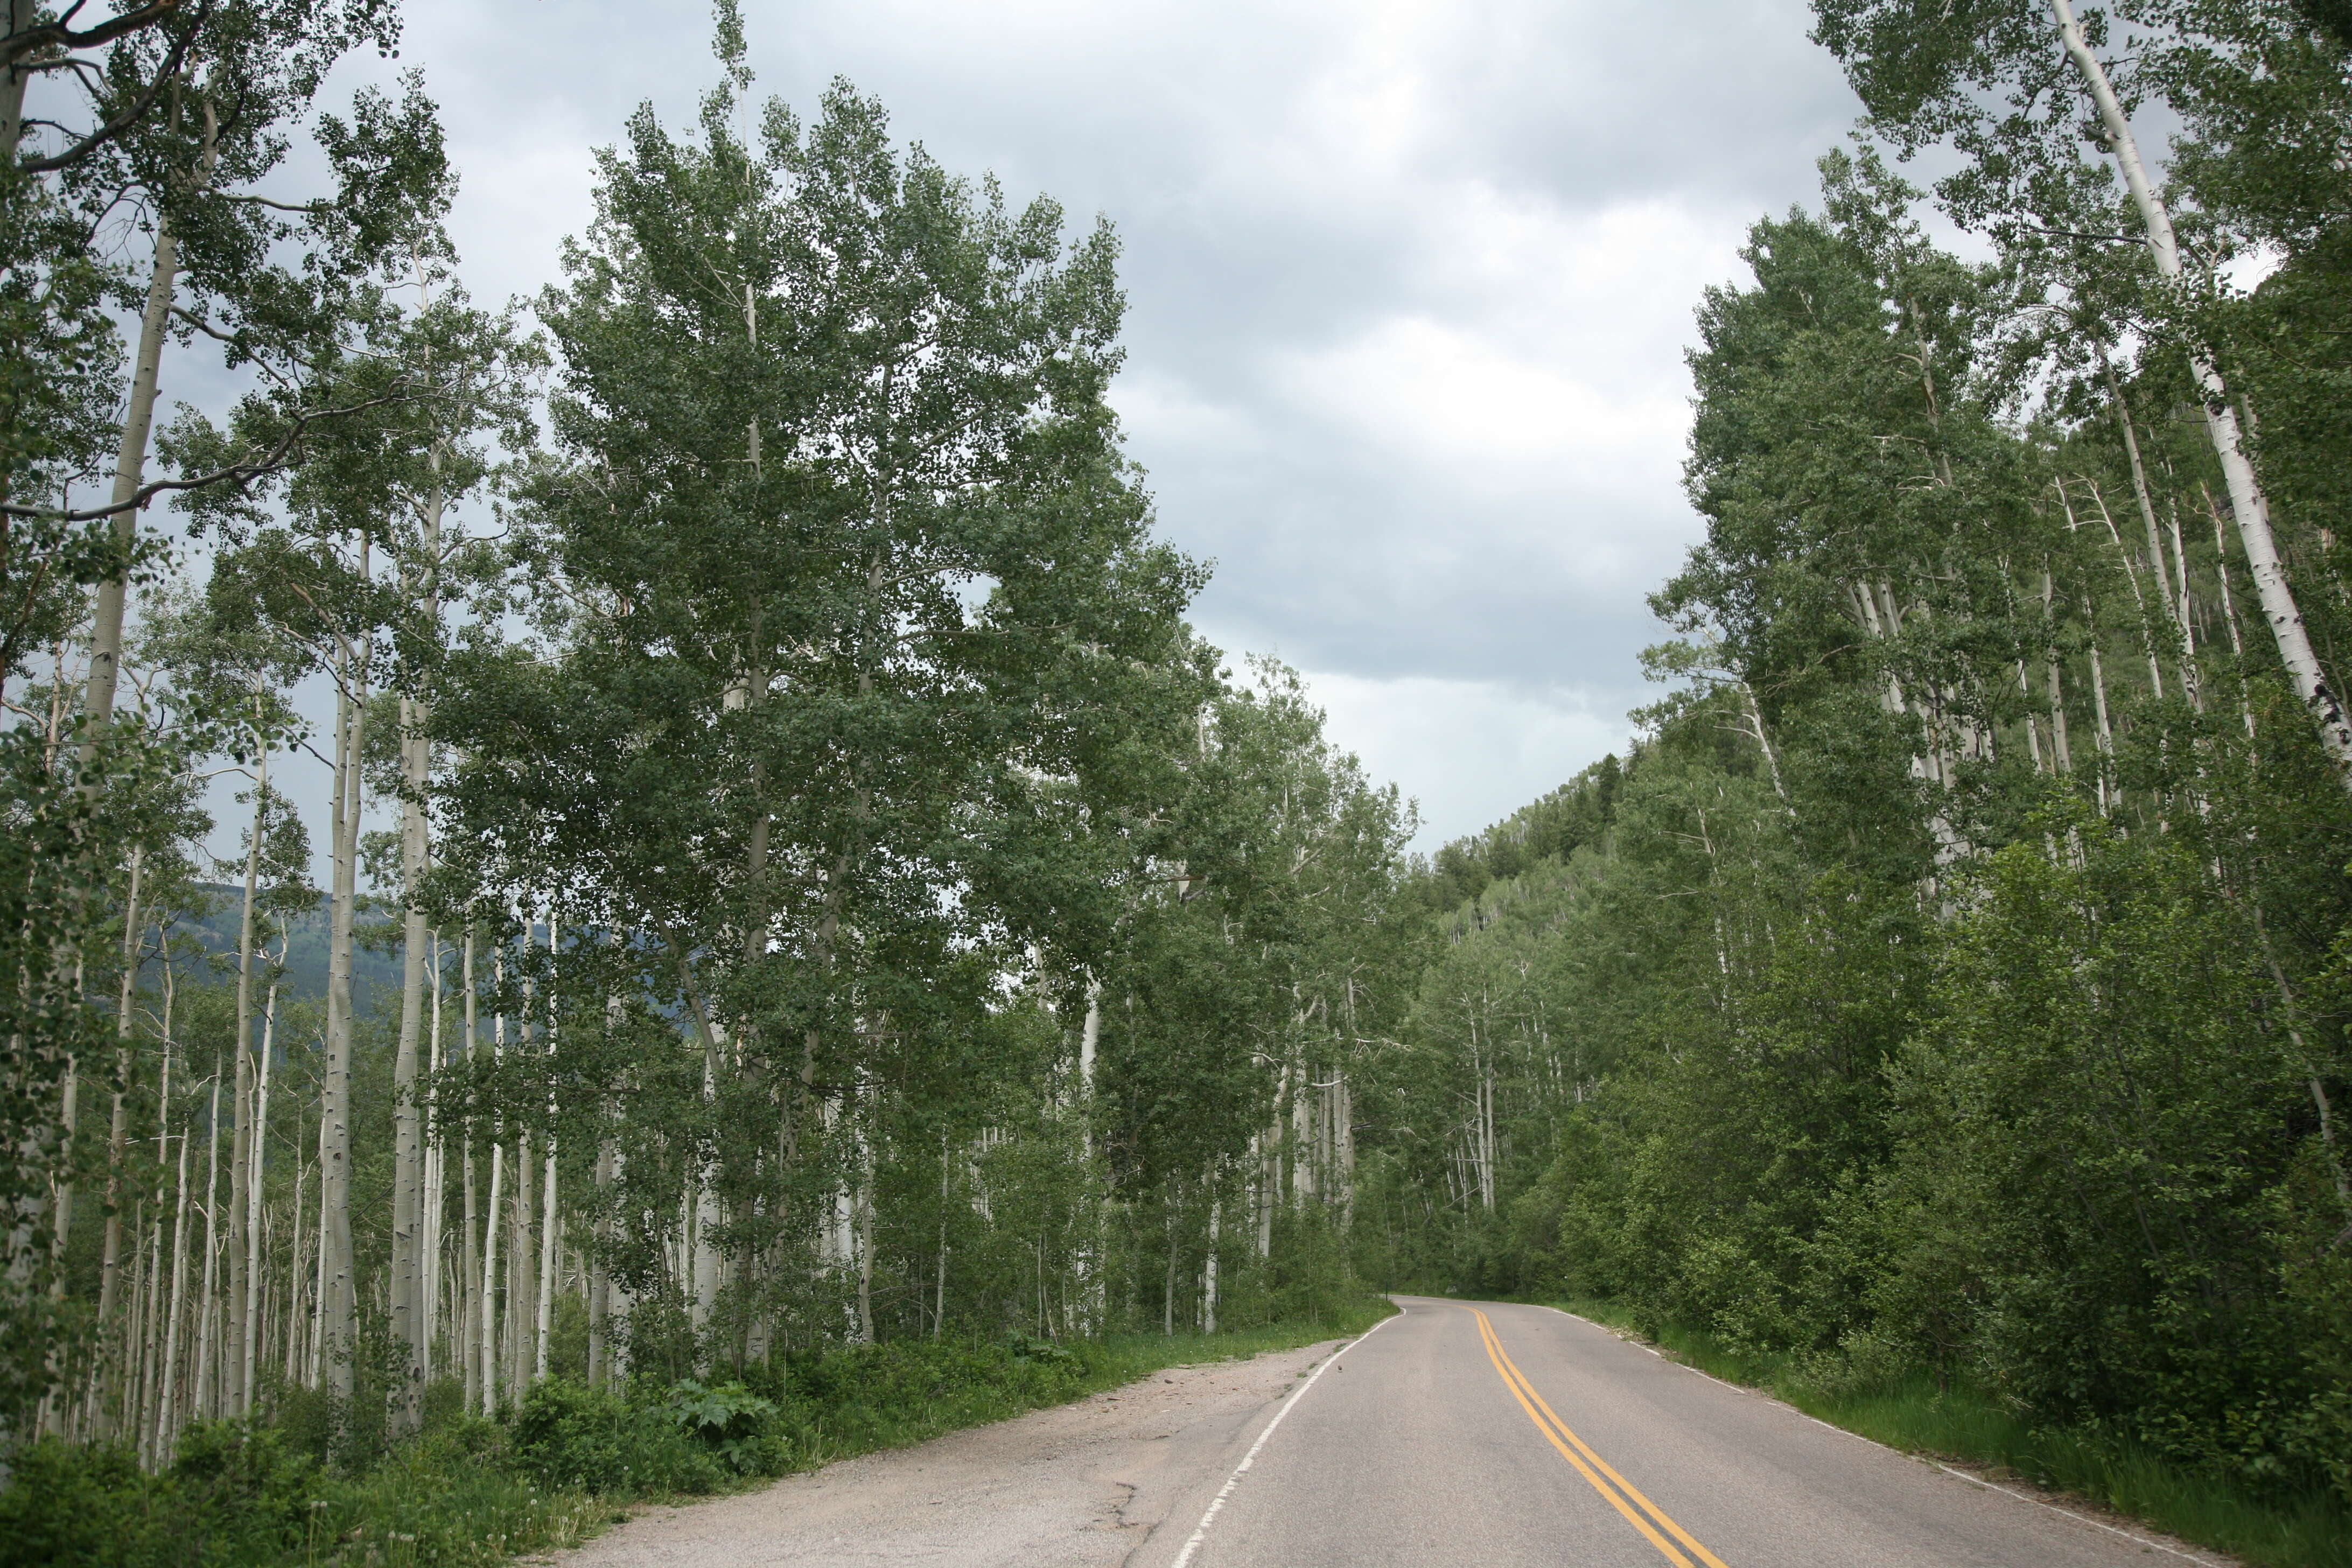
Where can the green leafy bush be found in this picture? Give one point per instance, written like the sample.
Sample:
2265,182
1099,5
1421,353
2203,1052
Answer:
738,1427
595,1439
235,1495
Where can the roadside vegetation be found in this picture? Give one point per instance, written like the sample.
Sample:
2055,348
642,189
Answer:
1941,1012
1876,1397
571,1460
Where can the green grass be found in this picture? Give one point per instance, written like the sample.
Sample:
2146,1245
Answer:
889,1395
1904,1409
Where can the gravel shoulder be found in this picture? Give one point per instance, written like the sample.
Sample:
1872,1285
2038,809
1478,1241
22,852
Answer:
1078,1486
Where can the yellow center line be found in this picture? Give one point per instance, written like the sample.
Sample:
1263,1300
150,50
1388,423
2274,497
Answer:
1576,1451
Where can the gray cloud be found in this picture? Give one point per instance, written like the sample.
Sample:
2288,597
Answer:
1409,286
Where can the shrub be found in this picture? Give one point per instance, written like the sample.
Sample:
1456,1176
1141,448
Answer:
88,1503
736,1426
595,1439
235,1494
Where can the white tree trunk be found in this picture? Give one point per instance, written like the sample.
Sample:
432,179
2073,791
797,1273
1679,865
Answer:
410,1286
167,1408
207,1335
249,1362
1209,1269
492,1217
338,1288
247,1149
548,1231
472,1280
118,1124
2246,498
130,472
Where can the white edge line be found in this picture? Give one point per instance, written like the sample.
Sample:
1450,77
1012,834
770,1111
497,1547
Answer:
2078,1517
1216,1504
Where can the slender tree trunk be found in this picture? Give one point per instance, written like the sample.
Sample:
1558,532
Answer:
469,1328
2230,614
250,1362
131,463
2140,600
246,1151
551,1230
207,1337
294,1273
1208,1268
409,1297
436,1175
118,1133
1168,1289
2246,498
493,1218
2175,600
20,15
490,1361
167,1407
130,472
150,1331
338,1287
523,1284
864,1242
2057,700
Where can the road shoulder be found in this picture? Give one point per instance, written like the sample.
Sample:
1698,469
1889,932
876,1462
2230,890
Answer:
1076,1485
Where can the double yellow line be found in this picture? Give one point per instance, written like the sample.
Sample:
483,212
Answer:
1622,1495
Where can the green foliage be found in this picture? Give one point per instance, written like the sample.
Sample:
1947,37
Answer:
734,1424
1945,1020
598,1440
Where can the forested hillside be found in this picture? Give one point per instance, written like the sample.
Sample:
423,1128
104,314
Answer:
1953,976
800,886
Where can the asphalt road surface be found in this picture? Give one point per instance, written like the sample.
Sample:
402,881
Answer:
1474,1434
1503,1435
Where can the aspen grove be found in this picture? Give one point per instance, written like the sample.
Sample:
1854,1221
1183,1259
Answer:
796,886
831,897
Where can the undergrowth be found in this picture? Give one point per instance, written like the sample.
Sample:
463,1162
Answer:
1903,1407
565,1464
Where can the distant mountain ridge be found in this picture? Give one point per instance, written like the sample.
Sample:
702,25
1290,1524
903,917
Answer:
376,957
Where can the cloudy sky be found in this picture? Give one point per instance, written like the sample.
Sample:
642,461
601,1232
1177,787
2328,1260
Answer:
1410,285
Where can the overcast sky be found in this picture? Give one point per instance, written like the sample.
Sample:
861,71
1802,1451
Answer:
1408,284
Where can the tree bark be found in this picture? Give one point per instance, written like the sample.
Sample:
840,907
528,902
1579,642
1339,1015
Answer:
130,470
201,1402
2246,498
167,1410
338,1287
469,1280
119,1125
2175,599
543,1334
409,1289
251,1327
247,1149
492,1217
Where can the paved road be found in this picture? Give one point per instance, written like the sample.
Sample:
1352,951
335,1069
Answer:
1472,1435
1500,1435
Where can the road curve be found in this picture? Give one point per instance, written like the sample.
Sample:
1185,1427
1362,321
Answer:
1497,1436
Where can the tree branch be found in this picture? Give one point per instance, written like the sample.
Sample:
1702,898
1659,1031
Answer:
239,474
57,33
140,105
